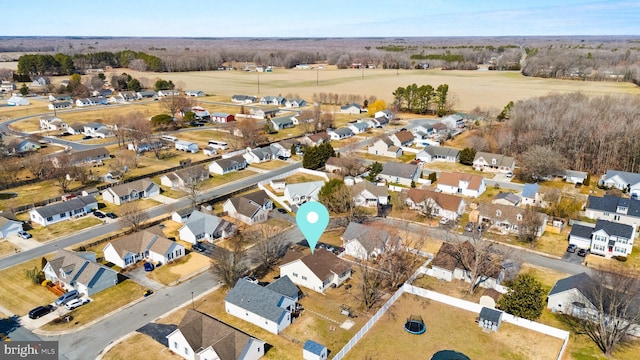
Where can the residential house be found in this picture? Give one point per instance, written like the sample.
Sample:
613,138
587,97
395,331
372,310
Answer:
41,81
9,225
493,162
369,195
258,155
245,210
278,184
625,181
168,92
93,156
82,102
358,127
402,138
180,216
365,241
200,336
79,271
344,165
317,271
435,204
565,296
385,147
75,129
606,238
531,195
195,93
454,121
263,112
146,94
187,146
353,109
145,146
60,105
205,227
139,189
300,193
453,261
509,219
148,245
200,113
264,306
209,150
65,210
575,177
461,184
438,153
228,165
614,208
273,100
222,117
383,113
282,149
97,130
7,86
17,100
423,128
315,139
399,173
339,134
50,122
243,99
295,103
18,145
507,198
59,97
185,177
281,123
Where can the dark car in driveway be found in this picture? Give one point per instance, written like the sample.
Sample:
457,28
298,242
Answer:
99,214
148,266
582,252
40,311
198,247
111,215
282,211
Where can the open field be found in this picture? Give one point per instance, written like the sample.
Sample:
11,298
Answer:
470,88
449,328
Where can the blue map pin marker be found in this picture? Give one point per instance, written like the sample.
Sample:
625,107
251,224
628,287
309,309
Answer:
312,218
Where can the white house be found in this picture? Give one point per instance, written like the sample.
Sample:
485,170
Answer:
339,134
531,195
139,189
282,123
228,165
318,271
97,130
365,241
300,193
60,105
437,204
461,184
438,153
200,336
185,177
195,93
507,218
16,100
625,181
273,100
399,173
455,262
258,155
187,146
369,195
142,245
205,227
383,113
402,138
65,210
385,147
353,109
79,271
614,208
295,103
50,122
243,99
606,238
245,210
168,92
484,161
269,307
453,121
358,127
9,225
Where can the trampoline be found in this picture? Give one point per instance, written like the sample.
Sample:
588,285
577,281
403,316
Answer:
415,325
449,355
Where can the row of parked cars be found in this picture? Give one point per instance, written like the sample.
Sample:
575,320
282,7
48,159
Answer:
70,300
573,248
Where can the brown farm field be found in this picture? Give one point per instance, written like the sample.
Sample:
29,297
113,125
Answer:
469,88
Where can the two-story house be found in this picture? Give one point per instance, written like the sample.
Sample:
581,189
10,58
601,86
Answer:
606,238
461,184
614,208
435,204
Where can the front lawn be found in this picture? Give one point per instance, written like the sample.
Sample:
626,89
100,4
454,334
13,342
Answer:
18,294
269,165
53,231
189,265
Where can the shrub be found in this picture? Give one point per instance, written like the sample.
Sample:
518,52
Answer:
620,258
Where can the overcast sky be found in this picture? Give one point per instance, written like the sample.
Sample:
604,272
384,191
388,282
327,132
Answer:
320,18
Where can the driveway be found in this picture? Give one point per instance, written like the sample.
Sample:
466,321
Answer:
158,332
140,276
573,258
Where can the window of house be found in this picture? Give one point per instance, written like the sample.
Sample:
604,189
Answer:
63,215
605,213
616,217
498,212
519,217
50,218
294,275
186,350
304,278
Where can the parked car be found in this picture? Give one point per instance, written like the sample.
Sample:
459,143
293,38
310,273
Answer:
148,266
509,174
25,235
40,311
251,279
444,221
66,297
99,214
111,215
469,227
76,303
282,211
198,247
582,252
572,248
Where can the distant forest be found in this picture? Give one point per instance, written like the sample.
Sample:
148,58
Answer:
606,58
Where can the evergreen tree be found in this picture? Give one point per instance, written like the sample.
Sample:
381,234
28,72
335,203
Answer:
525,298
467,155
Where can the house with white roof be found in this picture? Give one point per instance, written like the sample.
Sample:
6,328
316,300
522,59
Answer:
187,146
205,227
16,100
300,193
625,181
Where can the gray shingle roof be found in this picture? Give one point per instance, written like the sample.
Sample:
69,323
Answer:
508,196
579,281
441,151
530,190
201,223
284,286
581,231
257,299
401,170
490,314
628,177
610,203
612,228
66,206
369,237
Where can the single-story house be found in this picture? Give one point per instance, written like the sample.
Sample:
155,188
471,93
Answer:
97,130
385,147
200,336
222,117
263,112
79,271
225,166
282,123
339,134
245,210
168,92
606,238
139,189
315,139
205,227
461,184
295,103
146,94
185,177
264,306
180,216
344,165
300,193
437,204
187,146
485,161
93,156
9,225
399,173
273,100
506,198
358,127
454,261
61,211
365,241
243,99
623,180
383,113
438,153
258,155
508,218
17,145
16,100
60,105
195,93
352,108
142,245
317,271
575,177
369,195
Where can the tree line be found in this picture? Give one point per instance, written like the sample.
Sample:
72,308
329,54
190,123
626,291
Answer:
424,99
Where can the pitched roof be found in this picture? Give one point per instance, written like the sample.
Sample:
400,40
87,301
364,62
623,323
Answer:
508,196
613,228
345,107
501,212
579,281
449,257
391,168
257,299
244,206
324,263
530,190
577,174
319,136
404,136
192,173
313,347
231,161
305,188
582,231
77,268
442,151
360,125
628,177
379,191
128,188
201,331
368,236
259,197
454,178
141,241
284,286
501,160
90,153
611,203
343,131
492,315
201,223
446,201
285,120
66,206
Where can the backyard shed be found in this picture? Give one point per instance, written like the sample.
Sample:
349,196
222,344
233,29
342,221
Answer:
490,319
314,351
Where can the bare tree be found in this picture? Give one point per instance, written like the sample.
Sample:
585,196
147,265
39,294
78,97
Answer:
477,260
269,247
230,265
192,177
251,132
133,215
174,103
9,168
370,289
530,226
609,307
37,165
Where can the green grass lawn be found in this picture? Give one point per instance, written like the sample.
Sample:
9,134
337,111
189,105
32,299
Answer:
18,294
